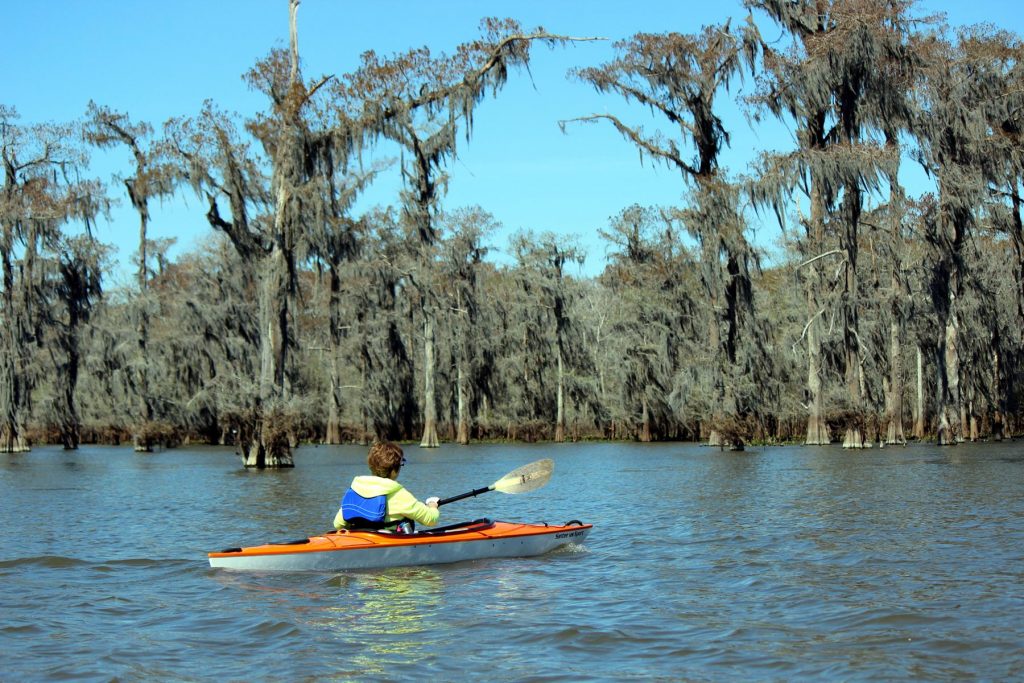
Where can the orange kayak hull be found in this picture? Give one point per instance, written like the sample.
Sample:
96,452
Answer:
343,550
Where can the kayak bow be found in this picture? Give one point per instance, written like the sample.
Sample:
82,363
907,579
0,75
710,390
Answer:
344,549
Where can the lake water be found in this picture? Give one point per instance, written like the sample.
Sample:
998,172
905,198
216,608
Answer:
774,564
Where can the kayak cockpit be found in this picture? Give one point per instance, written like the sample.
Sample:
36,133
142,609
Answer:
460,527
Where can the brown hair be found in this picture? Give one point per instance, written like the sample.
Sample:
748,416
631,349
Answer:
384,457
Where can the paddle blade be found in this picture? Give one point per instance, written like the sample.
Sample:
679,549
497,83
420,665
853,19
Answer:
526,478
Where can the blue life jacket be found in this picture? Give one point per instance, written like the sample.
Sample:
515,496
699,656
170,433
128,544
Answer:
360,510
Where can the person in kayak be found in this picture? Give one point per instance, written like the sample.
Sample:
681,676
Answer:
378,501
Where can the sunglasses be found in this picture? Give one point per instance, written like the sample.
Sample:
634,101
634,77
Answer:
402,464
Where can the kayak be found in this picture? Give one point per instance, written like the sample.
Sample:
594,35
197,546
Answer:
340,550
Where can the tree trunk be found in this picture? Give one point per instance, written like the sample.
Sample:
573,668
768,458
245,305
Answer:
953,223
462,436
17,343
919,405
269,446
817,428
709,261
854,437
429,439
998,422
269,443
461,381
14,364
894,433
364,438
332,432
1017,240
142,439
894,400
965,416
334,407
645,421
560,417
69,425
74,299
950,430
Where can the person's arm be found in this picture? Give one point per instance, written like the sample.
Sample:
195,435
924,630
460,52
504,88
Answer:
339,520
403,504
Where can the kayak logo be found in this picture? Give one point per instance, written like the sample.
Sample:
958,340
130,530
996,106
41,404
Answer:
569,534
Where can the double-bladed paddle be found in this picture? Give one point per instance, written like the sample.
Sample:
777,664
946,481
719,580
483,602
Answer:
526,478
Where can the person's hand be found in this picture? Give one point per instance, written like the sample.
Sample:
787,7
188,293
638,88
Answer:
431,502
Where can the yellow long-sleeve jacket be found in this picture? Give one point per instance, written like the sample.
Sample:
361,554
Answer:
401,503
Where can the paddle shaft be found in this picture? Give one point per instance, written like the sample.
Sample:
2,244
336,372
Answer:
526,478
470,494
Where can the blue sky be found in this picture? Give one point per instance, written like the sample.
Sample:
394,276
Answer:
157,59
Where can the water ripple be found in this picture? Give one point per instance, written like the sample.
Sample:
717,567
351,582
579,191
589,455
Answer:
44,561
786,564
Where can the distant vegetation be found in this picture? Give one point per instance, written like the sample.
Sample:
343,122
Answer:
889,315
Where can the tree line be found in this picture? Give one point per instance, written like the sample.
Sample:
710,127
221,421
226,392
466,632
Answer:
886,316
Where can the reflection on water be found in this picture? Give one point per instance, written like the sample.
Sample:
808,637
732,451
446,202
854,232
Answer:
387,612
777,564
